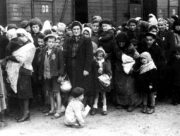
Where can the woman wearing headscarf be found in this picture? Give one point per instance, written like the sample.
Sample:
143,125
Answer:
126,94
19,70
78,59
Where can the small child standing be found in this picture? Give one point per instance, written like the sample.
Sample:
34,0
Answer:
75,112
102,75
147,82
52,69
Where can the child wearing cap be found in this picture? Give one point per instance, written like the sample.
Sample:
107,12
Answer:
101,68
52,69
147,82
75,112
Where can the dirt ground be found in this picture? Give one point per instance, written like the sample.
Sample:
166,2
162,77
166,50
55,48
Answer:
164,122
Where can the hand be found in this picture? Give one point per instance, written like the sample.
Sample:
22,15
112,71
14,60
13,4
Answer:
100,70
60,79
85,73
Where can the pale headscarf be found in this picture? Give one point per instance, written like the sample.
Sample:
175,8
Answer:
149,65
152,19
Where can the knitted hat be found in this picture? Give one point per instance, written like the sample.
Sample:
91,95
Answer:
76,23
77,91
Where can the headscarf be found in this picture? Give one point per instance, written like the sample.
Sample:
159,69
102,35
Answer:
149,65
87,29
25,33
152,19
46,26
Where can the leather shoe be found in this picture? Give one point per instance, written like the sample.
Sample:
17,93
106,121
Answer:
26,117
93,111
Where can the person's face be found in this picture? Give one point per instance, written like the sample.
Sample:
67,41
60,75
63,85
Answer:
28,29
40,42
106,27
50,43
154,31
69,32
132,26
86,34
144,61
76,30
22,38
100,56
149,40
81,97
161,26
177,28
58,41
35,28
95,27
122,44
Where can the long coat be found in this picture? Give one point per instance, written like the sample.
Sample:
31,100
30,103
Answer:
126,93
78,60
56,62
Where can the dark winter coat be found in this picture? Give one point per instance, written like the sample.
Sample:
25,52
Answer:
175,73
56,62
146,79
78,61
98,87
156,53
107,41
167,42
3,43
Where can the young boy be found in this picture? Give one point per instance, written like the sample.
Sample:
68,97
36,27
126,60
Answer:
52,69
75,112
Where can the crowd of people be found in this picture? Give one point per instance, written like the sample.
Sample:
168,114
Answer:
127,66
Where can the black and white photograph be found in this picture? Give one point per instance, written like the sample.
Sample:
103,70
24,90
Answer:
90,67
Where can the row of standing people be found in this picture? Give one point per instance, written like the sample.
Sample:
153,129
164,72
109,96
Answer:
84,62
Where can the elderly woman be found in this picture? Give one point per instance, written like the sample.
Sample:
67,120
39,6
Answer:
19,70
78,58
126,94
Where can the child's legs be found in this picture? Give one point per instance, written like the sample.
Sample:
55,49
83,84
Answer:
52,102
96,100
2,116
152,99
56,92
58,100
145,99
104,101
